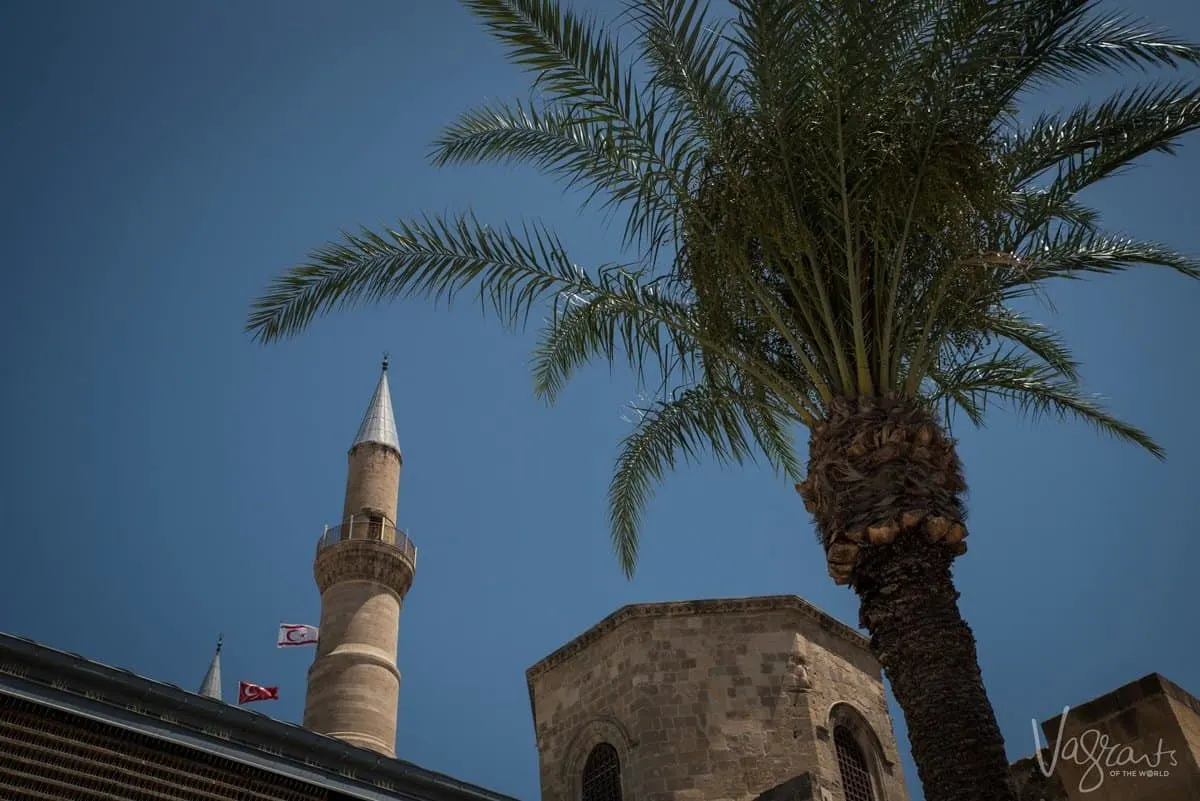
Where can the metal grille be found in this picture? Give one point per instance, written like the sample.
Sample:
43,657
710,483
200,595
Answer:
602,774
46,754
856,779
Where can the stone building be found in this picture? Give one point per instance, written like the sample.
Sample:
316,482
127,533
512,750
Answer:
748,699
364,568
707,700
75,730
1140,742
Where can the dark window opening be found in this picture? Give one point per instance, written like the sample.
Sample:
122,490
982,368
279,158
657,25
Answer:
375,527
856,778
602,775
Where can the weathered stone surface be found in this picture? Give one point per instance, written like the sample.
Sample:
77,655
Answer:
1031,784
1150,731
710,700
353,684
798,789
372,481
364,560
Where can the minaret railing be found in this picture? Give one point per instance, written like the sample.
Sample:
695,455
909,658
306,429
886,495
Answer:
369,528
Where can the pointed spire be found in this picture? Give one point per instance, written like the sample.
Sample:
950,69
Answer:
211,686
379,423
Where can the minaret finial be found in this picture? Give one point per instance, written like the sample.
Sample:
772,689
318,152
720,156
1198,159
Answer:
379,423
220,641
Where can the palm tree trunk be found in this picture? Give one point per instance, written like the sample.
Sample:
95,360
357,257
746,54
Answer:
910,608
885,487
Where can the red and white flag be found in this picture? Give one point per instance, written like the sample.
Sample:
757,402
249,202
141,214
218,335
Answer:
248,692
291,634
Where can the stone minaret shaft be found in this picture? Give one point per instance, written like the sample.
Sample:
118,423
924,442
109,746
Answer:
364,567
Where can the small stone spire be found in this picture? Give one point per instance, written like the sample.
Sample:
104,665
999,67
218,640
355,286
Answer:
379,423
211,686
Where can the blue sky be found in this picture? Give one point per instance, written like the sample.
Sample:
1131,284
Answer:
165,479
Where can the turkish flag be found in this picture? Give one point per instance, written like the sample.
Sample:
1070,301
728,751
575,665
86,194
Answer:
248,692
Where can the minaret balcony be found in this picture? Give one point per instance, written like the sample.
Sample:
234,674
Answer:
362,528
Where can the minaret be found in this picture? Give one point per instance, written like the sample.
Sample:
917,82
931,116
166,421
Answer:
364,567
211,686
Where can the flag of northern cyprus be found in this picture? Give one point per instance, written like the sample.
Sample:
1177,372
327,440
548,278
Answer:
291,634
248,692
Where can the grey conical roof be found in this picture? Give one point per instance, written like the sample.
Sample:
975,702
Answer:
379,423
211,686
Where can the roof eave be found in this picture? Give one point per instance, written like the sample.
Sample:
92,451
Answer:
252,730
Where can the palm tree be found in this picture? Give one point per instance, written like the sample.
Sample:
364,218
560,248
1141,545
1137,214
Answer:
835,215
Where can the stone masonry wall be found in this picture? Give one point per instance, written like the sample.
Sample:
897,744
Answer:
1187,714
353,684
1125,728
712,700
847,675
372,481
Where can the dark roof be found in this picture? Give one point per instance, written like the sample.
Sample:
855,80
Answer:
71,683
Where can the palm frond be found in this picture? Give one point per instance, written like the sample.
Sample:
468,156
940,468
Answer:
1092,142
630,321
434,257
560,140
833,200
1028,44
578,64
1035,390
701,420
572,57
1075,254
1033,212
1108,41
1046,345
580,68
688,58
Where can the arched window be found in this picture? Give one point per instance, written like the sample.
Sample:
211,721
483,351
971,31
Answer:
602,774
856,776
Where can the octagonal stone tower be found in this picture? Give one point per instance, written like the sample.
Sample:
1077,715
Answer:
364,568
717,700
